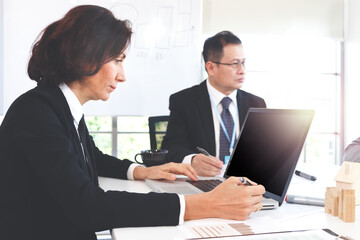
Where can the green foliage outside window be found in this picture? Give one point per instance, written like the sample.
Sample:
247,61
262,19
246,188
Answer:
132,134
98,123
130,144
103,142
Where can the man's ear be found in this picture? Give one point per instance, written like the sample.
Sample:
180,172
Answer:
209,68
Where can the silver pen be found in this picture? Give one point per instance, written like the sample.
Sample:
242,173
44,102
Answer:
305,175
305,200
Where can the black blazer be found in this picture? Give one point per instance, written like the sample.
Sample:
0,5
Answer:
191,123
46,191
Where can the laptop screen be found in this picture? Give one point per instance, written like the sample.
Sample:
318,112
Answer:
269,147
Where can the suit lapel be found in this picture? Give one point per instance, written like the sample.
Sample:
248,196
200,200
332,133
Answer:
79,153
90,154
203,106
66,117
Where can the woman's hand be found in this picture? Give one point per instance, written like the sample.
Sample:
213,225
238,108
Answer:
166,171
229,200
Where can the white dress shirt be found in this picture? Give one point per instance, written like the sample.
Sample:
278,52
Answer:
217,97
77,112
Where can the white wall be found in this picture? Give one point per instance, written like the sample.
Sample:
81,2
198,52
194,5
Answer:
352,71
291,17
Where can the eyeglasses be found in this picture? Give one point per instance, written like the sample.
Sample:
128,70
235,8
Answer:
235,65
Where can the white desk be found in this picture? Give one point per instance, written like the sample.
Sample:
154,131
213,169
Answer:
301,217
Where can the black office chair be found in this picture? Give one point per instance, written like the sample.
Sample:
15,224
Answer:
157,130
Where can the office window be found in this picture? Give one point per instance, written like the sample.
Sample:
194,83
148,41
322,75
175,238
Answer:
101,129
300,73
120,136
1,119
133,136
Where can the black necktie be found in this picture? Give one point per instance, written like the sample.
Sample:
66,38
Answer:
229,125
83,139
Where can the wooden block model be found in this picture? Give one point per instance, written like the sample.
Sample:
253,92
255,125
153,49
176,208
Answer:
348,177
347,199
341,205
332,201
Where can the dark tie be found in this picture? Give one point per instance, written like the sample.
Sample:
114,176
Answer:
229,125
83,139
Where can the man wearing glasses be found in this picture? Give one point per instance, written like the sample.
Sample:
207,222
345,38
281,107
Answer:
206,119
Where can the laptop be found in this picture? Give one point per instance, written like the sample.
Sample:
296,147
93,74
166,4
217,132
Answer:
266,152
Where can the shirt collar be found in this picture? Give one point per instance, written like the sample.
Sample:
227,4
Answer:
76,109
217,96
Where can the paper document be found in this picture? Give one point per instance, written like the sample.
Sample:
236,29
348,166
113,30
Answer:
222,230
316,234
245,231
234,228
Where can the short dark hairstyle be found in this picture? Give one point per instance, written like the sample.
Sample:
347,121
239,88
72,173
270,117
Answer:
213,46
78,45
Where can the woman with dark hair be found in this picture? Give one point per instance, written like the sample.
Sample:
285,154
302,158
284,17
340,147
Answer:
49,164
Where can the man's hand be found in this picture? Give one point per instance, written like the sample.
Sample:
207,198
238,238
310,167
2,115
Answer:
166,171
208,166
229,200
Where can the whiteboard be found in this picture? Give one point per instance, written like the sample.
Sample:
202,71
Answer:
164,57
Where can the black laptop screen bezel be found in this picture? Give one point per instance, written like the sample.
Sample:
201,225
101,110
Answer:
309,116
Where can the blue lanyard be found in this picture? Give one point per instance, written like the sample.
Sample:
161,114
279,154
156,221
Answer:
232,142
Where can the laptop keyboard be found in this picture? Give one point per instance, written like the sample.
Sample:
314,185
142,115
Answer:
205,185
